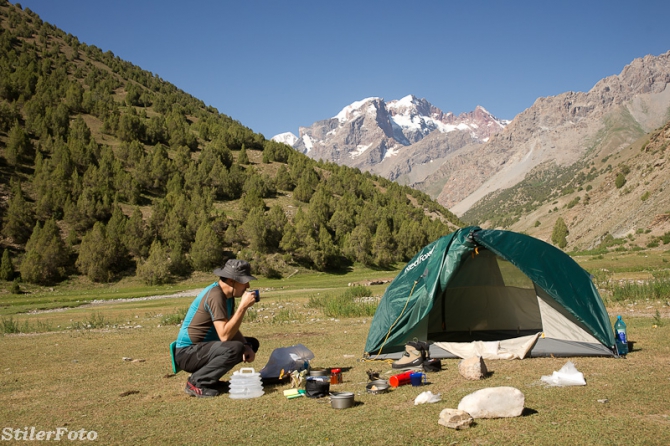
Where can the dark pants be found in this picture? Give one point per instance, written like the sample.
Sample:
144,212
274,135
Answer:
209,361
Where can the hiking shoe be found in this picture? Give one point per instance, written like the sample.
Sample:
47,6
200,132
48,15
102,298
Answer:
412,358
221,386
200,392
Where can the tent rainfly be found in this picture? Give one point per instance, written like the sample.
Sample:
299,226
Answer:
495,294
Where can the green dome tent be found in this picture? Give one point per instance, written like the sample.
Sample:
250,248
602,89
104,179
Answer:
491,287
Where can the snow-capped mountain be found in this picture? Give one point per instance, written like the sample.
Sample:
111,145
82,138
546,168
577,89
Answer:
287,138
403,140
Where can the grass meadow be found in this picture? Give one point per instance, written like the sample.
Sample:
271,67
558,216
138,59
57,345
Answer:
105,368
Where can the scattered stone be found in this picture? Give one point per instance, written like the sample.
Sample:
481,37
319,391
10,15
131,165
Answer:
129,392
125,358
455,419
604,400
472,368
494,402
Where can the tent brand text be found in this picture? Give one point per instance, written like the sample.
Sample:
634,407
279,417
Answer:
60,433
419,260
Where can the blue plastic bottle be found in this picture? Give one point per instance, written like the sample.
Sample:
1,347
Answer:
621,337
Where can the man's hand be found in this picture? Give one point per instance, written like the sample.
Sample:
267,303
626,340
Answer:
249,355
248,300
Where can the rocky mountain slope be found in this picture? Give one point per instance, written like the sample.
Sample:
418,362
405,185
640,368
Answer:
403,140
615,200
558,130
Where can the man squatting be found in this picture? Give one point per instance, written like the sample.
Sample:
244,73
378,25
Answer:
210,342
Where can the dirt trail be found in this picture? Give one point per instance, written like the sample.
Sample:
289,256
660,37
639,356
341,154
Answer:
99,302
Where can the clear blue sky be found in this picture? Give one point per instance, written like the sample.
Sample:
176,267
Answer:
278,65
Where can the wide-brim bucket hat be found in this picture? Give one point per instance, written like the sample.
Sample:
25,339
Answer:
238,270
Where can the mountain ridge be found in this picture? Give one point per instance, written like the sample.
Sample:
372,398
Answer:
386,137
563,127
569,132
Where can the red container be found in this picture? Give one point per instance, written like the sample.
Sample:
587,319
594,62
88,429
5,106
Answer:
336,376
400,379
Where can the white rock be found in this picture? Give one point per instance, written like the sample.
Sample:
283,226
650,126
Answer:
472,368
494,402
455,419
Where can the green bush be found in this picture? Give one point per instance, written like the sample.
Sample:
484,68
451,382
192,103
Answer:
175,318
633,291
286,315
347,304
8,325
16,288
559,233
620,180
95,320
358,291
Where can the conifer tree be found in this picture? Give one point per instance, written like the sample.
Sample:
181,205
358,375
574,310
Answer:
156,269
17,145
46,255
319,210
314,253
179,263
74,97
410,238
95,259
303,191
252,199
206,250
283,179
135,237
358,246
242,157
382,248
276,221
6,266
255,230
161,168
18,221
290,241
116,234
330,251
174,229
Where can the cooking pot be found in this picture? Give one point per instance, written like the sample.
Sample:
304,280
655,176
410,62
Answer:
341,400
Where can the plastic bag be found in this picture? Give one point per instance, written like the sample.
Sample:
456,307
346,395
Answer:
567,376
427,397
288,359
